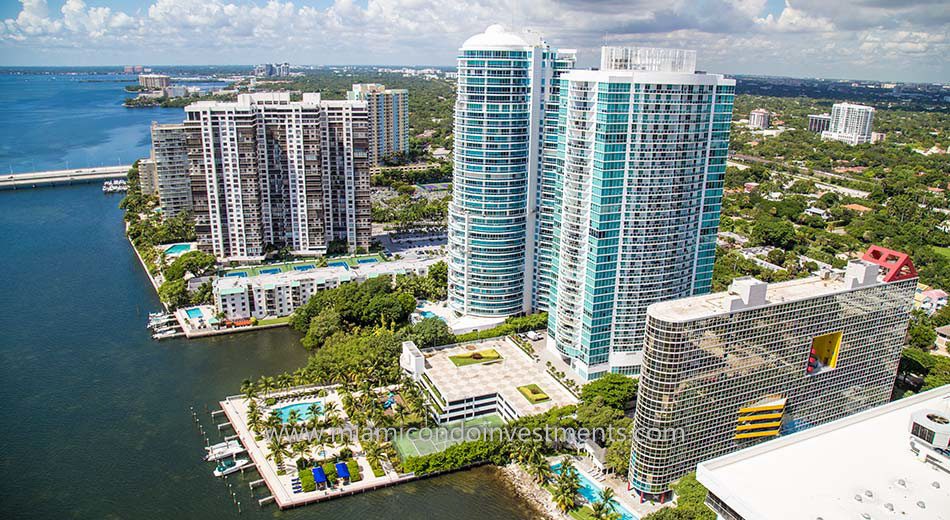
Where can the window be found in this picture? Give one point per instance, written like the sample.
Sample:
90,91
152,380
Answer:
824,352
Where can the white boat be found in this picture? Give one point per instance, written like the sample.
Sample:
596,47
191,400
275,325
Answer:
157,314
221,445
164,330
155,322
228,466
224,450
166,334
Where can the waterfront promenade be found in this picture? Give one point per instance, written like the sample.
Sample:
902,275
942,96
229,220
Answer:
59,177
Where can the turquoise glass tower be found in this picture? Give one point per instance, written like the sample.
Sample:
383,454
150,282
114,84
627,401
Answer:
500,122
642,147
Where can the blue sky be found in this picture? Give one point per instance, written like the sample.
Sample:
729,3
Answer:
904,40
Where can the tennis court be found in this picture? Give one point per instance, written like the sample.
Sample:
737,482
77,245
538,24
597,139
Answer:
432,440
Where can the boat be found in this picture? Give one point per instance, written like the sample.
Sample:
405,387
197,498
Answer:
228,466
115,186
166,334
154,322
157,314
223,450
163,330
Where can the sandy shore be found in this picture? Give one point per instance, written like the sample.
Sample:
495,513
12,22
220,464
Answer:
525,487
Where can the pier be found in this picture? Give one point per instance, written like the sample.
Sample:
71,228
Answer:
18,181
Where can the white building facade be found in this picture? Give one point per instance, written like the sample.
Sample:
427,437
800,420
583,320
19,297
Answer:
268,172
850,123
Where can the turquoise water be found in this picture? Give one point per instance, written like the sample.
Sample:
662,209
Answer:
270,270
178,248
239,274
303,409
591,491
304,267
194,313
339,264
428,314
96,419
367,260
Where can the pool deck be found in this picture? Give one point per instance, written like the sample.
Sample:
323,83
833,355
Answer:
235,408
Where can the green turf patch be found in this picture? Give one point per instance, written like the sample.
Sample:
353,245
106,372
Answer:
306,480
474,358
943,251
533,393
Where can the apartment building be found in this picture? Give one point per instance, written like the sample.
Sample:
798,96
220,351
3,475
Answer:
641,159
268,172
170,161
759,118
388,113
818,123
724,371
278,294
503,112
850,123
154,81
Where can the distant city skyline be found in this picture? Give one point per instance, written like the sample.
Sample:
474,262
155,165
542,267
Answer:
857,39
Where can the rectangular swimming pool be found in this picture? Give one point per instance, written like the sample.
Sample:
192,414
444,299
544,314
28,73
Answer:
178,249
591,491
194,313
339,263
367,260
239,274
269,270
304,267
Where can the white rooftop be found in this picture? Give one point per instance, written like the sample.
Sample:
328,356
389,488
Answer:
495,36
708,305
821,472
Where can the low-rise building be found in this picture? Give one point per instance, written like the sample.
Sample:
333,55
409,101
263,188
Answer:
891,461
943,339
496,384
281,293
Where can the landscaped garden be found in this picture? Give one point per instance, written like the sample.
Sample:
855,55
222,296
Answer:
303,265
533,393
474,358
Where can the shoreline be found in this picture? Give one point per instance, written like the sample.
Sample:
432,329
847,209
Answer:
523,486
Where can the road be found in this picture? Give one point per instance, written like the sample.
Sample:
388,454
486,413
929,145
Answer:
54,177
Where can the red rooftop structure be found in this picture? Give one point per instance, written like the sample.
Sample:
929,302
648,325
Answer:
895,265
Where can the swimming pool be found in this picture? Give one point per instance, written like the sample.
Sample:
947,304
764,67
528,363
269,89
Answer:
306,267
194,313
302,410
269,270
367,260
591,491
239,274
339,263
178,249
428,314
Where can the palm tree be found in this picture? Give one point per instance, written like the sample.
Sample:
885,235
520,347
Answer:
566,487
300,448
541,472
605,508
293,417
254,417
277,451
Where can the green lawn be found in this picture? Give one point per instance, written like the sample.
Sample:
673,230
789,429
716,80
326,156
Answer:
943,251
436,439
274,321
474,358
533,394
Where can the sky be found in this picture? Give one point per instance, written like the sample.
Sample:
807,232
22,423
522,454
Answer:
893,40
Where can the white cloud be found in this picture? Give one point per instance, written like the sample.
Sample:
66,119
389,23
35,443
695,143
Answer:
730,35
